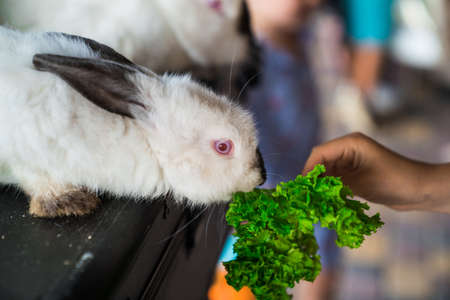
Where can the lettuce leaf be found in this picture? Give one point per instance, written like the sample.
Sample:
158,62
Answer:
276,246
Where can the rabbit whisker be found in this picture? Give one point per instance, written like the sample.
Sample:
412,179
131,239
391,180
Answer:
245,86
231,70
184,226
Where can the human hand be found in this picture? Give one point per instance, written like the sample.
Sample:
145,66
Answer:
380,175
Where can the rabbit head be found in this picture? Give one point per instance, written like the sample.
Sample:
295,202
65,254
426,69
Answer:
205,145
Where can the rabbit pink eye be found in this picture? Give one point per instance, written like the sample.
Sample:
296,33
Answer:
223,146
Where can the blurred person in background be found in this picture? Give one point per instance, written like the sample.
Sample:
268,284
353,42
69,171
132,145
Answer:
369,27
351,38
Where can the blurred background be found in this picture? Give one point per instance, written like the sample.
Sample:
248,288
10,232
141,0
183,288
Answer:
321,69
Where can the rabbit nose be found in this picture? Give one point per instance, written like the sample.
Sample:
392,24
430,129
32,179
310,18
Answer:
261,167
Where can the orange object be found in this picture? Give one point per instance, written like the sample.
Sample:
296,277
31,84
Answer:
220,290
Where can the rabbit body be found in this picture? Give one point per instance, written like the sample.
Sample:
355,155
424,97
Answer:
46,125
61,148
159,34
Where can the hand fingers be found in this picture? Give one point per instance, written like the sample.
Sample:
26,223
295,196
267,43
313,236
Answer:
336,155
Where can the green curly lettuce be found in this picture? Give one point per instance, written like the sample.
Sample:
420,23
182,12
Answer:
276,246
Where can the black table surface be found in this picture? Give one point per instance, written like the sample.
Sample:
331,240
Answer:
125,250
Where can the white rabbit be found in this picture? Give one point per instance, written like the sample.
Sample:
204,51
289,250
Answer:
95,121
160,34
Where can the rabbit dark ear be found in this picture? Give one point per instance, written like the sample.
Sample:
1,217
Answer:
103,82
102,50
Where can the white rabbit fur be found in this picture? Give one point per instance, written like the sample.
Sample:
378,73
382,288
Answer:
160,34
53,140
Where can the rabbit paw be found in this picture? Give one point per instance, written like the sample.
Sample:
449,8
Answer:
73,202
